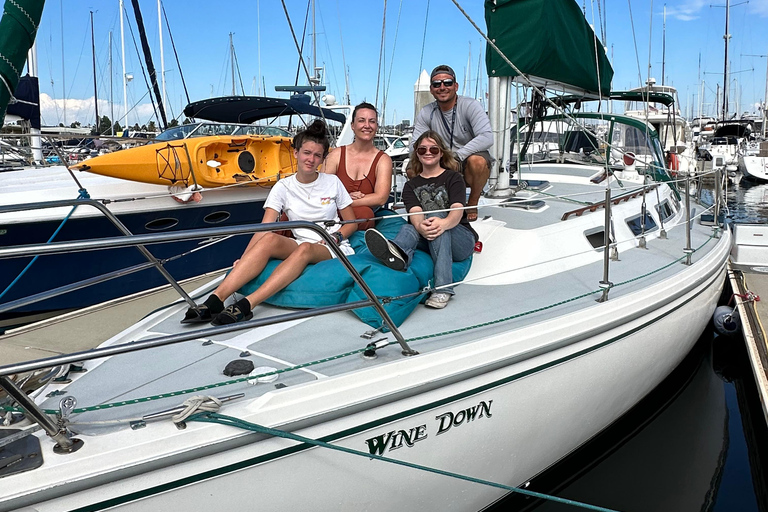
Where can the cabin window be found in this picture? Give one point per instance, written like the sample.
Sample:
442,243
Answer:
161,224
596,237
636,224
665,211
216,217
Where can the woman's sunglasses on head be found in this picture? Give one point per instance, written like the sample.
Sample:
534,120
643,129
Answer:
432,149
447,82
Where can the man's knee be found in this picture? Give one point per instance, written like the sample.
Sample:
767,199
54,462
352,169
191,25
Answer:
476,164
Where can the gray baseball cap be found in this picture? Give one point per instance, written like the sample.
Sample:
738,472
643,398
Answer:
442,69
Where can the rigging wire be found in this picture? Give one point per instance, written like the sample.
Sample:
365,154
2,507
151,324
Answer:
141,64
86,31
237,65
223,74
634,39
343,59
424,39
304,65
330,59
175,54
382,60
301,48
391,61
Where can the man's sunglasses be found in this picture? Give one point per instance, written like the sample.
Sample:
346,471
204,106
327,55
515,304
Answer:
447,82
432,149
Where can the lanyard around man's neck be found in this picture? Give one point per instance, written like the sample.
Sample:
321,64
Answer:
445,123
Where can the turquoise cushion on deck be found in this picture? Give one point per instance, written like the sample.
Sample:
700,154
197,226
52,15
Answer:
328,283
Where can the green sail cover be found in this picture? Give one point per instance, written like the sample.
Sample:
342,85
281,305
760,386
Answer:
18,28
547,39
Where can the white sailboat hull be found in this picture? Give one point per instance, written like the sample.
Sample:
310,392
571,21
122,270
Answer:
529,411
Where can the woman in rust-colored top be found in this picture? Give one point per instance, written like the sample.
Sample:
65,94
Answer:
365,171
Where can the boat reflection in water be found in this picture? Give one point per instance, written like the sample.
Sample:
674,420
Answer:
689,446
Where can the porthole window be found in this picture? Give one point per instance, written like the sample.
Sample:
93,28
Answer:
216,217
596,237
161,224
636,224
665,211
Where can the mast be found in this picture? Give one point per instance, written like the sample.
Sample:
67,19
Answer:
765,102
258,41
162,55
314,43
111,91
663,45
95,89
125,77
727,36
468,74
717,98
232,59
148,59
63,79
34,142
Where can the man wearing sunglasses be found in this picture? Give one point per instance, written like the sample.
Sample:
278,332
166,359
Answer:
465,127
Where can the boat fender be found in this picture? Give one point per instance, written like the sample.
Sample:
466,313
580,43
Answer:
673,162
238,367
726,320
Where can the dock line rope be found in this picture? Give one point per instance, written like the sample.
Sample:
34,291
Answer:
83,194
253,427
194,405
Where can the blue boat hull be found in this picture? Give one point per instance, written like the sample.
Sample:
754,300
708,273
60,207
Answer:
53,271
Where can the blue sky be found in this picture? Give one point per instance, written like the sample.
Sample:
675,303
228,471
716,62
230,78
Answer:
265,49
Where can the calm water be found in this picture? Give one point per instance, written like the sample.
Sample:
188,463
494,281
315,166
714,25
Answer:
697,443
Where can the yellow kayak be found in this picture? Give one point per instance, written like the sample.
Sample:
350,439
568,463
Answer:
212,161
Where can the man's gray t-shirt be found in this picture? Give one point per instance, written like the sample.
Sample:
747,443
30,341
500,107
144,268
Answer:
471,131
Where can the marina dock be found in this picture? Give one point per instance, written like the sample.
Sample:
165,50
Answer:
749,282
85,329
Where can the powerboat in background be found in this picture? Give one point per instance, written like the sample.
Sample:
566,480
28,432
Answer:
659,106
727,148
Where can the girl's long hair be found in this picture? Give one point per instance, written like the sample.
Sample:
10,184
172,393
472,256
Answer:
447,159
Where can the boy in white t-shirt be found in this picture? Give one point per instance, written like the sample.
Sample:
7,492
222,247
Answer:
307,195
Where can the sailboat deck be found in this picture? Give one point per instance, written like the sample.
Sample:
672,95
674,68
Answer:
534,300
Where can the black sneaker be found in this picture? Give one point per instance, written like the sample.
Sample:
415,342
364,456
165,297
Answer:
240,311
384,250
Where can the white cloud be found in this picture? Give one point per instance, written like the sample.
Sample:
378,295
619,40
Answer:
52,111
759,7
688,10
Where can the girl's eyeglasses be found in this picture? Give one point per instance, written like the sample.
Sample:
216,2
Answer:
422,150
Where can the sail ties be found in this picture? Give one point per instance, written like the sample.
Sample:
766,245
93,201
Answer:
12,99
